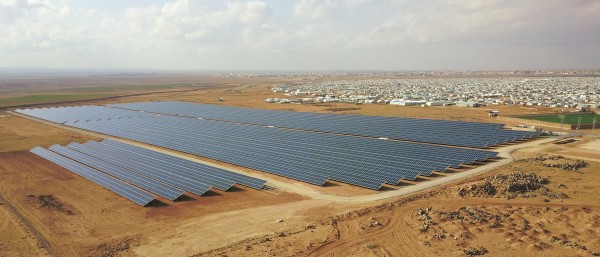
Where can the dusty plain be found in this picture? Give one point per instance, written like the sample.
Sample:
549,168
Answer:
41,202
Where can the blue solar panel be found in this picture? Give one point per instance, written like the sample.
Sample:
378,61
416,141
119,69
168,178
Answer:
207,179
130,192
305,156
145,183
200,169
164,176
469,134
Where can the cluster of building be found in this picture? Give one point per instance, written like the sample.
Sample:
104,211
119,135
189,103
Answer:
563,92
399,74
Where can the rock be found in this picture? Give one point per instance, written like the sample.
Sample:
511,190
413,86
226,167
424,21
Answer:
542,246
472,251
462,192
370,246
440,236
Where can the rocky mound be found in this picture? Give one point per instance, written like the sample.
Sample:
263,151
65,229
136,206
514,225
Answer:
511,185
561,162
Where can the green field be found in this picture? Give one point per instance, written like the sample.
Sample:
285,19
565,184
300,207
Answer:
572,119
87,93
50,98
105,89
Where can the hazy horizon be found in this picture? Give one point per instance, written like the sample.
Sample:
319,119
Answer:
305,35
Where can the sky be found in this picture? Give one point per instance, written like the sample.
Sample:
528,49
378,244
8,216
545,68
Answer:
301,35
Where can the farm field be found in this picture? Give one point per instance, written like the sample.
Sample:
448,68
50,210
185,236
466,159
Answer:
572,119
49,98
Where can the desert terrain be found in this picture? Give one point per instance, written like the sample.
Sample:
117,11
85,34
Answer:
544,203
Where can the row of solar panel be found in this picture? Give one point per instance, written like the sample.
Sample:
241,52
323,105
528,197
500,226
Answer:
80,113
309,157
66,113
306,156
155,172
128,191
469,134
453,133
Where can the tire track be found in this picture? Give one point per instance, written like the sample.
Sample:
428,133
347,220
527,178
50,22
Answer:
29,227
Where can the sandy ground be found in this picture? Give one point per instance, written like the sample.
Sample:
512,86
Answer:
15,239
98,215
244,222
526,229
221,221
21,134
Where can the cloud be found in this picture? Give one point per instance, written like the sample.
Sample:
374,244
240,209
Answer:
471,21
325,9
12,10
303,34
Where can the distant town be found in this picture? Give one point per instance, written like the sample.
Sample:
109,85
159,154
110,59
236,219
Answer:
407,74
564,92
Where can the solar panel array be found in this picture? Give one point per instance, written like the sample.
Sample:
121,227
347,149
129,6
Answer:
158,173
301,155
457,133
128,191
135,179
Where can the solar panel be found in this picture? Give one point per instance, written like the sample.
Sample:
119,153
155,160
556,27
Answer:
469,134
164,176
212,181
199,168
145,183
130,192
305,156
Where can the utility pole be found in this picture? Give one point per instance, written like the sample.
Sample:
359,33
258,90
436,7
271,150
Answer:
593,125
562,120
578,122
